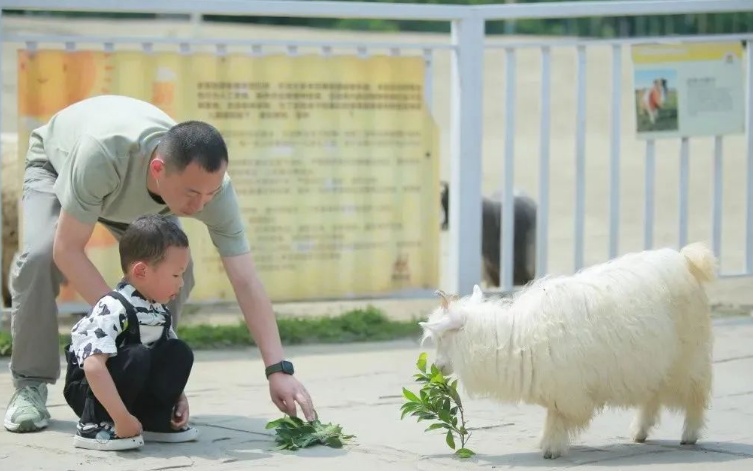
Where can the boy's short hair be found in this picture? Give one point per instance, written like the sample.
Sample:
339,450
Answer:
147,240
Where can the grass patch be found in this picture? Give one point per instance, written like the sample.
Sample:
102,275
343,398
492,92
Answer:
359,325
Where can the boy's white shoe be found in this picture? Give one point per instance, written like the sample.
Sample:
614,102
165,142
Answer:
102,437
186,434
27,411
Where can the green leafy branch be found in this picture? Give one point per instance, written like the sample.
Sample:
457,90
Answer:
438,400
292,433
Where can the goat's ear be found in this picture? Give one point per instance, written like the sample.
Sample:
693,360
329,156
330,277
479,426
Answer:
442,324
477,295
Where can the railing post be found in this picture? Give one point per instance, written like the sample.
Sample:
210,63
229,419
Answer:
2,280
465,158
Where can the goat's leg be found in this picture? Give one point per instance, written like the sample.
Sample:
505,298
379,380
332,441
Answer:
646,418
695,412
555,440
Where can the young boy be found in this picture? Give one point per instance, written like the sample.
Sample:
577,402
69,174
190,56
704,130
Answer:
126,367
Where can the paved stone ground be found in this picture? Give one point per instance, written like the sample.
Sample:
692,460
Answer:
358,386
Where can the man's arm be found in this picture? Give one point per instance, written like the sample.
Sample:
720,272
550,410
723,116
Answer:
87,177
68,253
261,322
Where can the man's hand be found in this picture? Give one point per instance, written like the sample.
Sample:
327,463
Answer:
180,415
127,426
286,390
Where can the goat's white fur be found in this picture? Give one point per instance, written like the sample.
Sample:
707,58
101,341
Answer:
632,332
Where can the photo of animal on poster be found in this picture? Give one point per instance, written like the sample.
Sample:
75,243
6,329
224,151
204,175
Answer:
656,100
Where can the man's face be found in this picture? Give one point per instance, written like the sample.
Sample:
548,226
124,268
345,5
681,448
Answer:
187,192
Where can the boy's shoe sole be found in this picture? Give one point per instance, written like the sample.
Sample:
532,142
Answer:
25,426
187,435
108,445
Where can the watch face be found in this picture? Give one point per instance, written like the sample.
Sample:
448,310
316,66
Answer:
287,367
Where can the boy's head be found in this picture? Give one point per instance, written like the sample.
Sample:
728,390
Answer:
154,254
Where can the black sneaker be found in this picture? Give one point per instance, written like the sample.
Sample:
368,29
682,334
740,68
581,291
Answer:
102,437
186,434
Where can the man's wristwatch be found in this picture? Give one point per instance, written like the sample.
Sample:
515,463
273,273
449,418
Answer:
281,367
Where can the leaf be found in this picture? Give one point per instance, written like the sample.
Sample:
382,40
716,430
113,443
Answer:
410,396
293,433
334,442
464,453
450,440
409,407
444,415
454,395
273,424
435,426
421,364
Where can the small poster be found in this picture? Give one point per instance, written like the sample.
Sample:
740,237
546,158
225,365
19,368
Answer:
686,90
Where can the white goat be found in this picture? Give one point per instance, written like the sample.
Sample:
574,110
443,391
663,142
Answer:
632,332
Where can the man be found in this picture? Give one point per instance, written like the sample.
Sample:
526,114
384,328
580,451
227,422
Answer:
111,159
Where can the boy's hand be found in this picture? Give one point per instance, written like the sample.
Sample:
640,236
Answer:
128,426
180,414
286,390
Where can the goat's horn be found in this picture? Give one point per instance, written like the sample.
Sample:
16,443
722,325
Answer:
443,295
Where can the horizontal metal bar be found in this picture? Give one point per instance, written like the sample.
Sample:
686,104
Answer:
216,41
735,275
280,8
520,11
321,9
501,44
288,8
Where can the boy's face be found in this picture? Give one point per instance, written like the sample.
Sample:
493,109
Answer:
163,281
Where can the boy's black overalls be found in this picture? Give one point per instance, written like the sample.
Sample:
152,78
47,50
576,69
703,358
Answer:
149,380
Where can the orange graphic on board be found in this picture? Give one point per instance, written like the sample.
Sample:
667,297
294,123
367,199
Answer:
48,81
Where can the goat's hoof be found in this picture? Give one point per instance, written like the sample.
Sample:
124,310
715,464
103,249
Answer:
689,438
551,454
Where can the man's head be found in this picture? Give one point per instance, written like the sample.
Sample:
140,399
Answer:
154,254
189,166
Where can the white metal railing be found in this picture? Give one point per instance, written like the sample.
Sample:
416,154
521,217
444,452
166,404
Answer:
506,263
467,46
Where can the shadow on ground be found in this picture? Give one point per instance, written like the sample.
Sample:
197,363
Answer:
620,455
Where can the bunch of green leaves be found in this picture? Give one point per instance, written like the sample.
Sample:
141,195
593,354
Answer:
438,400
292,433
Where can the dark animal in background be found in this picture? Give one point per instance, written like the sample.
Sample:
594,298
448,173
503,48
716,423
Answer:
524,243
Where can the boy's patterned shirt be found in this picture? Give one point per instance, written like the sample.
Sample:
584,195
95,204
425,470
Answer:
96,333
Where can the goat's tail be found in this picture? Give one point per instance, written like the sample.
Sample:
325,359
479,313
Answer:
701,261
